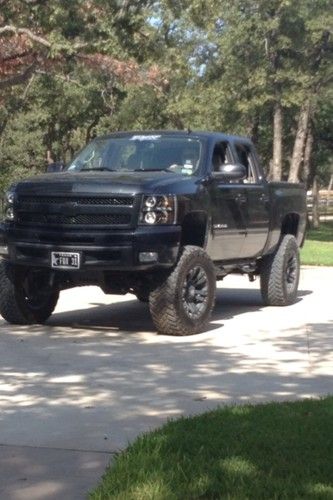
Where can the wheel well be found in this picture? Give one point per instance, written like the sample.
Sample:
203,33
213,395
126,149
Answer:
290,225
194,229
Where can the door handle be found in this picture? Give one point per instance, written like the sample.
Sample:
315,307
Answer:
241,198
264,198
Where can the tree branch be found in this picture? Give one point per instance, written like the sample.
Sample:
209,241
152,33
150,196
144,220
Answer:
24,31
60,77
19,78
35,38
27,88
34,2
18,55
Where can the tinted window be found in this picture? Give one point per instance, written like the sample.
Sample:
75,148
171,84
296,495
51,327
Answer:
246,158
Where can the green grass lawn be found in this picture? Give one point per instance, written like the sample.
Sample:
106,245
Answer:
271,451
318,246
317,253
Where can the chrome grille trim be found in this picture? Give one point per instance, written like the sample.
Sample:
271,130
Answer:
115,201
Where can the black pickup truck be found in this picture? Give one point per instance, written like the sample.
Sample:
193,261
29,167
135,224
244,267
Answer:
162,215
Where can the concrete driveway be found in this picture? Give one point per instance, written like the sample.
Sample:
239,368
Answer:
76,390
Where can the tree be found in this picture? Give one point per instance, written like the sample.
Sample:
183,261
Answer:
266,61
316,65
39,38
69,64
253,67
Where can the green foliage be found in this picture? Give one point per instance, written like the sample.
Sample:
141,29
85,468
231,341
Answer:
225,65
58,109
23,154
141,108
253,54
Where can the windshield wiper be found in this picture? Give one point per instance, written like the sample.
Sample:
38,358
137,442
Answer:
151,170
98,169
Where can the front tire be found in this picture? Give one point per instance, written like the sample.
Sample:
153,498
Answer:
279,275
183,303
25,296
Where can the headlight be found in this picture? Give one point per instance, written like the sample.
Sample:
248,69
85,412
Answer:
158,209
10,197
8,206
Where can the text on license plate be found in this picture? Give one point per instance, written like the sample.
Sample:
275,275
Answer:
65,260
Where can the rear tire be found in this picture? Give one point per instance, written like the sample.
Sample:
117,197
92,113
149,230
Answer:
279,274
183,303
25,298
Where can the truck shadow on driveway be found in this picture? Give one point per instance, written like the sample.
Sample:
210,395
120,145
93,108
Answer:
132,316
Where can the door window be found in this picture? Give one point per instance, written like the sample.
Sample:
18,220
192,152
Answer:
221,155
246,158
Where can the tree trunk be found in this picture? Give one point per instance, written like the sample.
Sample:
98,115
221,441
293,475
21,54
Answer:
315,204
253,129
49,157
275,172
329,197
177,122
307,157
330,185
299,144
89,132
3,126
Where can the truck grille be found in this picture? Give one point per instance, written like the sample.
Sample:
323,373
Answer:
56,210
88,219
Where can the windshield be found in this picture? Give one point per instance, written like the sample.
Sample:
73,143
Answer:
140,153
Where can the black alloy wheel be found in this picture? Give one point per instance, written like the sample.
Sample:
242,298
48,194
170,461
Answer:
195,292
183,302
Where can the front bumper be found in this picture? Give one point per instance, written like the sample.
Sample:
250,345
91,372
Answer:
100,250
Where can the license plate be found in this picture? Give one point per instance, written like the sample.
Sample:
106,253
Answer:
65,260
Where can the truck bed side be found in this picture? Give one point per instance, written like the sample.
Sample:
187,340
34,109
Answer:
287,212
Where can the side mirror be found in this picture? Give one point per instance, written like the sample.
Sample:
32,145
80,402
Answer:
231,172
57,166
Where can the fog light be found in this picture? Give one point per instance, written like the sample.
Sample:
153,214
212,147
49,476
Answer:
148,257
3,250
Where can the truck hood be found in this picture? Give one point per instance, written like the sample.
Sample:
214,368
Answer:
128,183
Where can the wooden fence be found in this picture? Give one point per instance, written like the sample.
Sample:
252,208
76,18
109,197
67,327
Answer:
325,202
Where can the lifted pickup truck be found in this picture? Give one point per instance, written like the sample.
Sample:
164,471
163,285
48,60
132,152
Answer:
162,215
